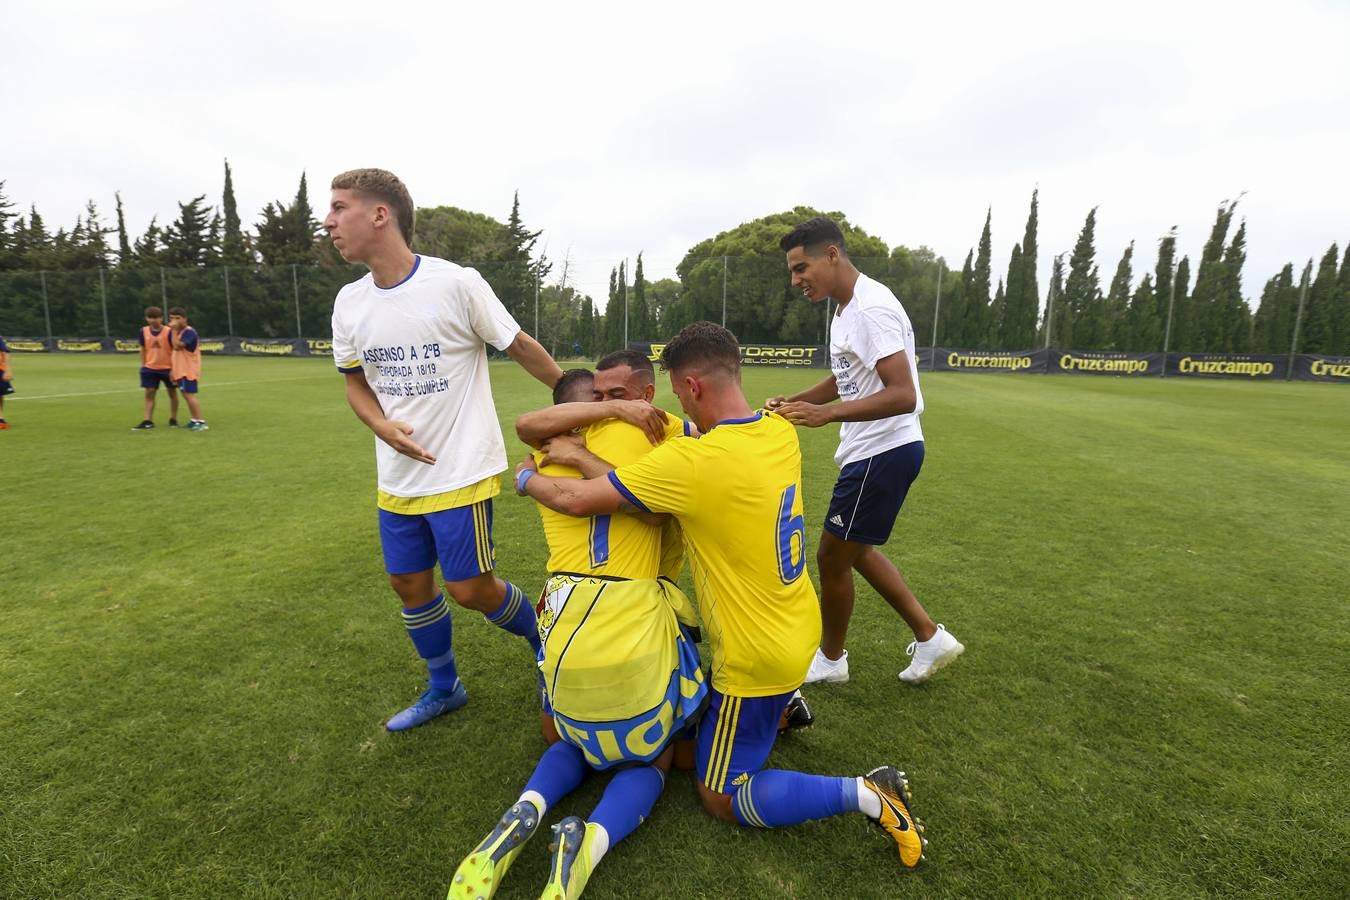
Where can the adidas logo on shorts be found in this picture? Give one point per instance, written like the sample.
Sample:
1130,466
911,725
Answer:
837,519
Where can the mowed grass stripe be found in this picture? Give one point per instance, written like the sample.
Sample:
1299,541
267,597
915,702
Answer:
200,648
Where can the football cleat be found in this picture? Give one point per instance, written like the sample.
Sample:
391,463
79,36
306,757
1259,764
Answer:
173,423
797,716
481,872
931,655
433,702
896,819
569,865
829,670
145,425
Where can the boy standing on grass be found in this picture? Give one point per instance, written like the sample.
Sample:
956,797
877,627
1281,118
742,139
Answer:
156,367
411,340
875,378
6,381
187,364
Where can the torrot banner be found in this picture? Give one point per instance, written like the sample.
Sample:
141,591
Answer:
793,355
230,346
1228,365
1105,362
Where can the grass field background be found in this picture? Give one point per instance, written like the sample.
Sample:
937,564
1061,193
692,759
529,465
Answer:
198,649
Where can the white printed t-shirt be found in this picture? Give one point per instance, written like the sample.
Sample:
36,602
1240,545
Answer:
422,345
870,327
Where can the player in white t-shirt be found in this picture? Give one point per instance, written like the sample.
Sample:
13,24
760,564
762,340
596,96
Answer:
411,338
875,378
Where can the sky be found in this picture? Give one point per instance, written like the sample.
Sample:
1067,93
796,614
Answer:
644,128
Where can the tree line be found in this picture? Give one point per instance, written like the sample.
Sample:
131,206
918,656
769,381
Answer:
277,278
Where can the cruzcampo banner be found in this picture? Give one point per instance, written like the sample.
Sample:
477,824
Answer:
1322,368
1105,362
792,355
947,359
1260,366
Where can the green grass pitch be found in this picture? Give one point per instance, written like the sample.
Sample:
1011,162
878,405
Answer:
198,648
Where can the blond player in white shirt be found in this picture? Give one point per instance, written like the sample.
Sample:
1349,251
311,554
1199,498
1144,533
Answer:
875,377
411,338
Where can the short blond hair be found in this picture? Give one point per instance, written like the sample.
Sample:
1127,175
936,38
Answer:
385,187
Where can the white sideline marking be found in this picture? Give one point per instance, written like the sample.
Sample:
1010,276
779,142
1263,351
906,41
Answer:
138,390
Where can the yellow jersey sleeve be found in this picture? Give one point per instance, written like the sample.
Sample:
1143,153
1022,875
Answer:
660,482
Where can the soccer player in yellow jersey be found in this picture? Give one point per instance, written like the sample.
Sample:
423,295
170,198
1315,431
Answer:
737,494
621,676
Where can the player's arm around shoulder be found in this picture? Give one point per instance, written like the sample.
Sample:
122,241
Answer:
578,497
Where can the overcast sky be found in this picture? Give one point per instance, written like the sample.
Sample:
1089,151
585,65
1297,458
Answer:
648,127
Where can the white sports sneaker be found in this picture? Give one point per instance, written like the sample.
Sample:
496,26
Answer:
825,669
930,655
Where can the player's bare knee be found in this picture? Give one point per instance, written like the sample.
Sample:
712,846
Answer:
717,804
481,593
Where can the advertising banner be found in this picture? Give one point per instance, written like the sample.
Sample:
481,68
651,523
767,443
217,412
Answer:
1105,362
948,359
1227,365
1322,368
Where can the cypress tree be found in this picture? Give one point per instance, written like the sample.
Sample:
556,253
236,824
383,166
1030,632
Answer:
1079,321
233,249
639,319
125,257
1182,318
1205,324
977,297
1164,270
1272,326
1116,329
1053,315
7,260
1143,332
1023,300
1319,334
999,320
951,328
1340,319
1235,316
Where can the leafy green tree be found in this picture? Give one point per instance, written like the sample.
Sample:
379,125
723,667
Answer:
663,300
1319,318
7,257
469,238
234,249
761,304
187,242
516,279
1081,320
1117,331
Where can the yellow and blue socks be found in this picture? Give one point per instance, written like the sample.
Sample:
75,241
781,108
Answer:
774,797
516,615
429,628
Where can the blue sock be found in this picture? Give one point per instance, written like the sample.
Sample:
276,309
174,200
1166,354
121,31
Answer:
774,797
558,773
429,628
516,615
628,799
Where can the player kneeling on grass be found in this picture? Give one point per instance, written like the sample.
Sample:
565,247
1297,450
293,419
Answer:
737,494
187,364
620,677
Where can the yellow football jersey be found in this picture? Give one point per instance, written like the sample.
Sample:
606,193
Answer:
616,546
737,494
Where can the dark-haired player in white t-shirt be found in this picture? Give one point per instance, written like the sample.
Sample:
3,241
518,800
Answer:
875,378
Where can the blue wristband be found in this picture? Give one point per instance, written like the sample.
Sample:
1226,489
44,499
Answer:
524,476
